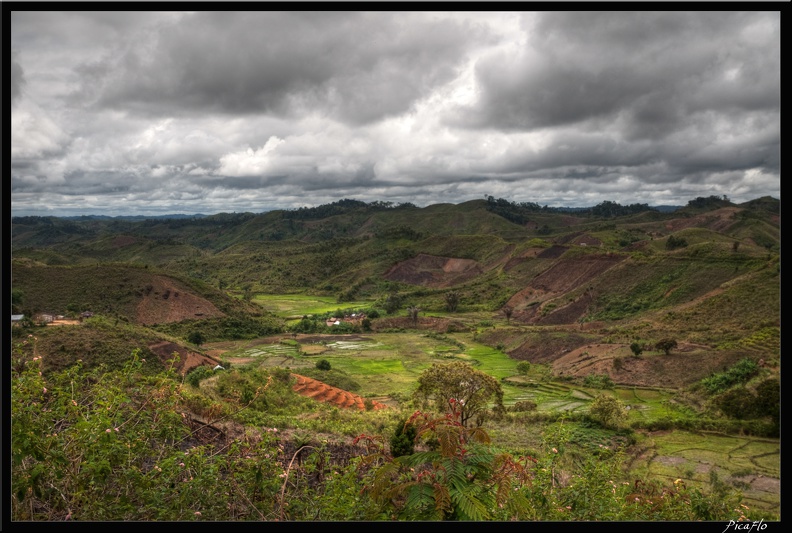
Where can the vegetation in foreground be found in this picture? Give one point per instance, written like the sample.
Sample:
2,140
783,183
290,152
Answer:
126,444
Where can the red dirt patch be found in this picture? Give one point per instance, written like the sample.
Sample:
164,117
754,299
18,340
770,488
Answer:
554,252
187,359
562,277
441,325
434,271
123,240
587,240
166,302
685,365
64,322
718,220
323,392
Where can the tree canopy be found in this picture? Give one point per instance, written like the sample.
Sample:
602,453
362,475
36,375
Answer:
445,385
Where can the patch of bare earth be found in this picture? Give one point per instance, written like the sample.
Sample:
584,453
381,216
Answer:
559,279
686,364
186,359
164,301
434,271
123,240
322,392
718,220
64,322
441,325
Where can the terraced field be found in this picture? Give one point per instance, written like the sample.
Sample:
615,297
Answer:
751,465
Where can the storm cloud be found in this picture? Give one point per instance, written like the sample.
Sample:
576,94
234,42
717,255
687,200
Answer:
203,112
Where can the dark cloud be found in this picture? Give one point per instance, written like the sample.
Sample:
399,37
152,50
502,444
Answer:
651,71
356,66
16,78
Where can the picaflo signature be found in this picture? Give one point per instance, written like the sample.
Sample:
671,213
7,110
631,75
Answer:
745,526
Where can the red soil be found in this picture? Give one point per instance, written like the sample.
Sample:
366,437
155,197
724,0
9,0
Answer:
187,359
322,392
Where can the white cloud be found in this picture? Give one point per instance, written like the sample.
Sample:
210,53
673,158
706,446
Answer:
250,162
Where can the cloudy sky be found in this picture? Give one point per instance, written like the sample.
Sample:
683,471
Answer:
206,112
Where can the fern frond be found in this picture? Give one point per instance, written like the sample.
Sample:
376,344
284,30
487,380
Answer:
419,503
469,505
479,435
442,500
518,505
383,479
419,458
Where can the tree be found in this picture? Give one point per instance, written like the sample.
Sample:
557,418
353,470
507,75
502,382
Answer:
461,478
412,312
608,412
392,303
247,293
636,348
452,301
675,242
402,442
323,364
666,345
523,367
16,300
459,386
508,310
196,337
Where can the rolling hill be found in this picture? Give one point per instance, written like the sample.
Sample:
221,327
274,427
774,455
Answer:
706,273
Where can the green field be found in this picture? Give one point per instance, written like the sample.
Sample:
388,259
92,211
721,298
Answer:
297,305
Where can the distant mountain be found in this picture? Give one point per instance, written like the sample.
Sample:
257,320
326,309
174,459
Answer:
134,217
666,208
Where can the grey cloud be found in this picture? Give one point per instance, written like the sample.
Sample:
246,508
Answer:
356,66
16,79
582,66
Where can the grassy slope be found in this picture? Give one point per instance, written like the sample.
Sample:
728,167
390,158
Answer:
345,256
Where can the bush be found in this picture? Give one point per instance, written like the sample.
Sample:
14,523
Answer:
402,442
608,412
741,372
522,406
196,337
666,345
523,367
598,381
738,402
636,349
675,242
197,374
323,365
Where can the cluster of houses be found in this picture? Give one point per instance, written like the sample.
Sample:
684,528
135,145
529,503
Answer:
354,318
47,318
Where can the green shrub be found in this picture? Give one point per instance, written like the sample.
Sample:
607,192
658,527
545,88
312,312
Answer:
608,411
740,372
402,442
522,406
197,374
598,381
